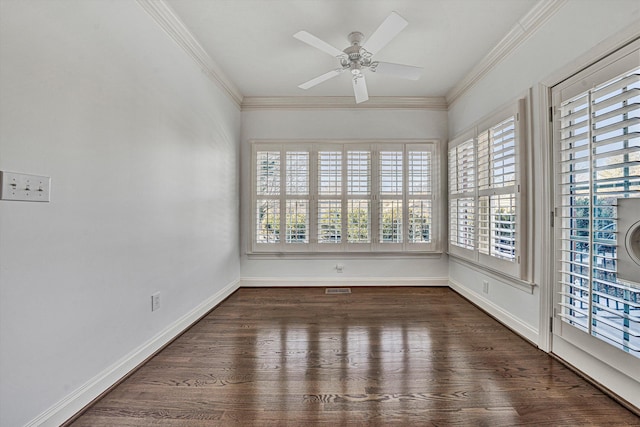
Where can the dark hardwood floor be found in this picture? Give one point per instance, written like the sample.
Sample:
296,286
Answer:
376,357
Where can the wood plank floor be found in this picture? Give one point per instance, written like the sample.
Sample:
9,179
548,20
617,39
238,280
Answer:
376,357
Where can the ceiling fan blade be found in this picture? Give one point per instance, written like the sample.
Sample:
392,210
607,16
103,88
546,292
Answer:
360,89
312,40
408,72
326,76
389,28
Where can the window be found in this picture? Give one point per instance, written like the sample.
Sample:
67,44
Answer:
598,148
485,202
343,197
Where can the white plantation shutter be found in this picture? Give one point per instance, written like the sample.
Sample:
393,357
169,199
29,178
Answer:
330,173
598,146
359,173
497,191
497,226
419,195
330,205
297,221
297,172
343,197
462,168
485,202
420,214
268,170
268,221
282,202
497,155
359,198
268,173
391,185
359,221
391,220
419,172
329,221
462,222
462,203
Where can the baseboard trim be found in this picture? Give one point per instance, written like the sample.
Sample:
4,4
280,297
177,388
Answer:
274,282
606,390
82,397
498,313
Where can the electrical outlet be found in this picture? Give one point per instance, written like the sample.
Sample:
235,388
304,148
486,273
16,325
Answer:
339,268
485,286
155,301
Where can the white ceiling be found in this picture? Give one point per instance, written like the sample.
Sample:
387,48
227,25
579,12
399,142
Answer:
251,41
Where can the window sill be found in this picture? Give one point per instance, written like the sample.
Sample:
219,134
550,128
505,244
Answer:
343,255
498,275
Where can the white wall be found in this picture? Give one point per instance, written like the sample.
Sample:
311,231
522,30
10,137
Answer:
142,150
564,41
344,124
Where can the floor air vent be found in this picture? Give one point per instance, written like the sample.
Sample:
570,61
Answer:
333,291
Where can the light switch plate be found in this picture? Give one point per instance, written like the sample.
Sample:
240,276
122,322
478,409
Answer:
24,187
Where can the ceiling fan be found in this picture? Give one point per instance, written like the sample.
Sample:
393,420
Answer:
358,57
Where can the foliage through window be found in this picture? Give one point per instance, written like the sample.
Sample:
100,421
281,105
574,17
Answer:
341,197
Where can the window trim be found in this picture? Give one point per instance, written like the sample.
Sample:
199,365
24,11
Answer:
313,248
516,268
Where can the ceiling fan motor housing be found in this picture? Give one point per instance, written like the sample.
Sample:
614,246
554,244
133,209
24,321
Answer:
357,57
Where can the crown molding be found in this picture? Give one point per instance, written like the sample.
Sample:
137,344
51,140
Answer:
525,27
175,28
345,102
